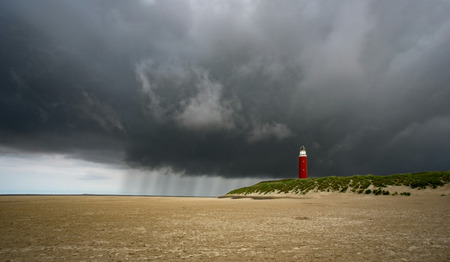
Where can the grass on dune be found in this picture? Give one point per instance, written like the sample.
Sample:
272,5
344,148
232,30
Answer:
357,184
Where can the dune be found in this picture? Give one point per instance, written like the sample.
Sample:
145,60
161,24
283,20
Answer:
393,191
430,182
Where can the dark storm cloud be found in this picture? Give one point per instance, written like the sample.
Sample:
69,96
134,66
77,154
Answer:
231,88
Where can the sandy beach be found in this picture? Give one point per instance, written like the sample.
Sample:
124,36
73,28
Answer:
317,227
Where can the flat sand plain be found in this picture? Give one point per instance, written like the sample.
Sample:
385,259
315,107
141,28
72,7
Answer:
321,227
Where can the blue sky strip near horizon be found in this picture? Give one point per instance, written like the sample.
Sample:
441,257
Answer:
57,174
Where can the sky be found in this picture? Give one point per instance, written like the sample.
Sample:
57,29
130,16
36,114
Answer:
200,97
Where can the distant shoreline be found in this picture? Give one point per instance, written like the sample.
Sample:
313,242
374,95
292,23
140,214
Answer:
106,195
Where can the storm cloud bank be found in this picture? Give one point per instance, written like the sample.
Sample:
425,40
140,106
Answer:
229,88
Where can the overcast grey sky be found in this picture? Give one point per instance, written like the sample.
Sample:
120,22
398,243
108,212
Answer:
226,89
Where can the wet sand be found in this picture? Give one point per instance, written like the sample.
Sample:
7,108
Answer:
321,227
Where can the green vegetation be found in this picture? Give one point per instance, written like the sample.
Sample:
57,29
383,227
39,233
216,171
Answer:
357,184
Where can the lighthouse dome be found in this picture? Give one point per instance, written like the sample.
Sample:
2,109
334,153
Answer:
302,151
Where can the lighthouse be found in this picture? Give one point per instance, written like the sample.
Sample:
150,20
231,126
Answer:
302,164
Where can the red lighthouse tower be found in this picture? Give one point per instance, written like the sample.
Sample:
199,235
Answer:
302,164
